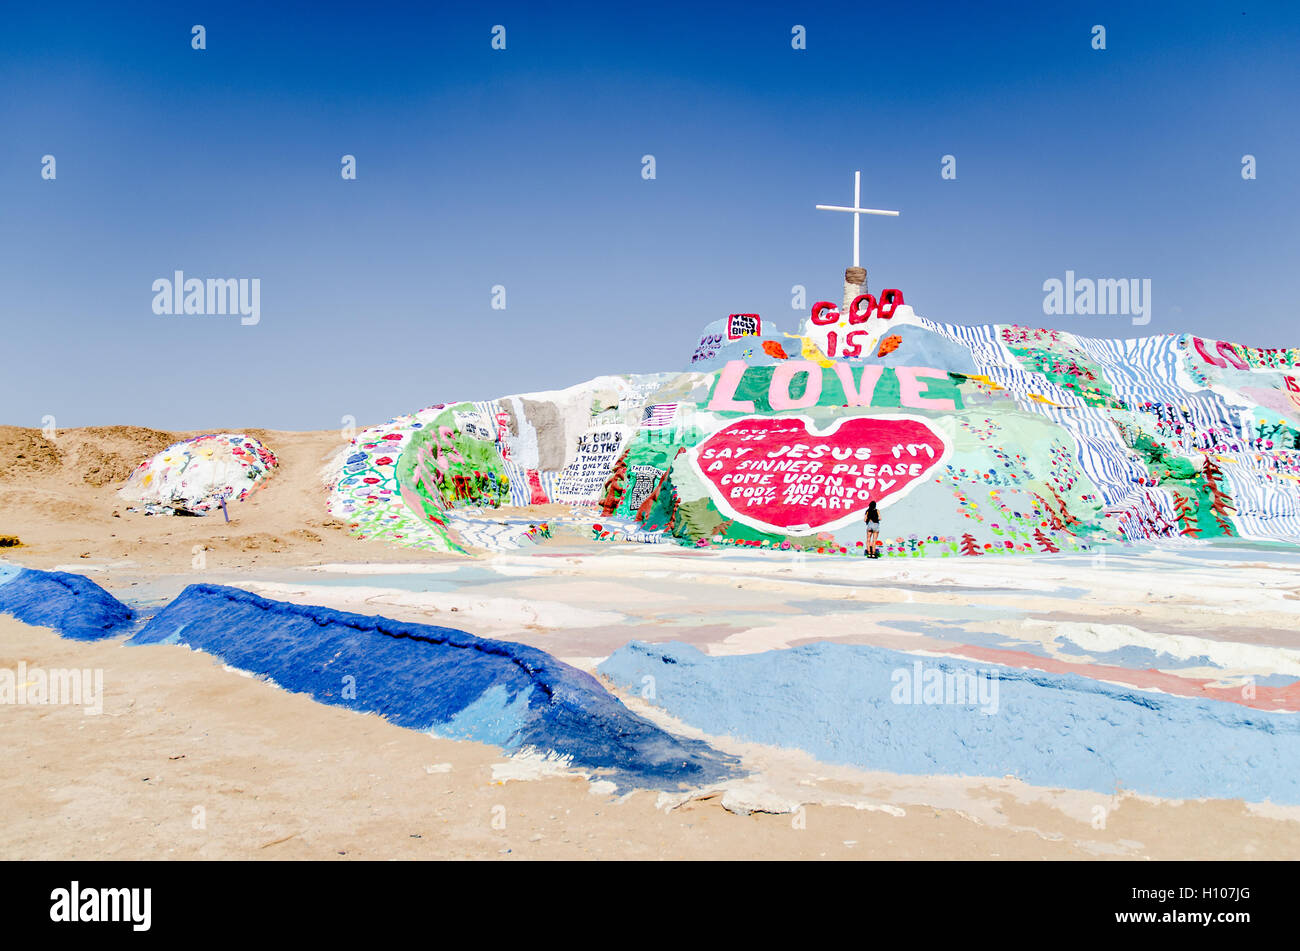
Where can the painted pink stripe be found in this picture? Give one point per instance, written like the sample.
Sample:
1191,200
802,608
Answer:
1286,699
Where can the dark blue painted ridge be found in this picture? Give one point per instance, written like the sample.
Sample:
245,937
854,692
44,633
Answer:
71,604
439,679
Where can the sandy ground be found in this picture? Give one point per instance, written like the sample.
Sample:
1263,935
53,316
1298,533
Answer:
191,760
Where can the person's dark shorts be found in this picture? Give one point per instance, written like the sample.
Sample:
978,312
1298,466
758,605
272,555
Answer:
873,526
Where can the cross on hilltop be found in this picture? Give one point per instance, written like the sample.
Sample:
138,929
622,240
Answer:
857,211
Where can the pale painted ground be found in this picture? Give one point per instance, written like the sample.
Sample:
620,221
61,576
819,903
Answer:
278,775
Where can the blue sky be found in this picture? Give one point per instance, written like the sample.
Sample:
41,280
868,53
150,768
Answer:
522,167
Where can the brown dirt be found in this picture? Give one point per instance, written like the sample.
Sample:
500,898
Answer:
27,453
59,495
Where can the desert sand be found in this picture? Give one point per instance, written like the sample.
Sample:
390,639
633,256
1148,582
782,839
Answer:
190,759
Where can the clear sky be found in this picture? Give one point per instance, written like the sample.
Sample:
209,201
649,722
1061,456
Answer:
523,167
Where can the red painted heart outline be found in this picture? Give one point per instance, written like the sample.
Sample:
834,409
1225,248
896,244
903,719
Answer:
920,429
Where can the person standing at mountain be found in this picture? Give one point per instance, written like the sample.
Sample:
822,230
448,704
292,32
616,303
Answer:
872,518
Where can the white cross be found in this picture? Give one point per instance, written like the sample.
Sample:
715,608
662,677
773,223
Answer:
857,212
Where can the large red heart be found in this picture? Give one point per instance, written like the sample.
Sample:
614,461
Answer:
775,472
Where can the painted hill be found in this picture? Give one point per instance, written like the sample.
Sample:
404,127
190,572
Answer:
973,440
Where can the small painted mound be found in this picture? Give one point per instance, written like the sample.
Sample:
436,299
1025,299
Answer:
892,711
74,606
193,477
437,679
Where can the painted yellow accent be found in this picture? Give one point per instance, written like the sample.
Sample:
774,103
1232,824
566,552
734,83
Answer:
982,379
810,351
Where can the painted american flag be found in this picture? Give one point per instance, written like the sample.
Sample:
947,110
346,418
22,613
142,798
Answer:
660,414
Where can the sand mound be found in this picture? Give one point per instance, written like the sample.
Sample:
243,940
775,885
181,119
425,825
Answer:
26,452
96,455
